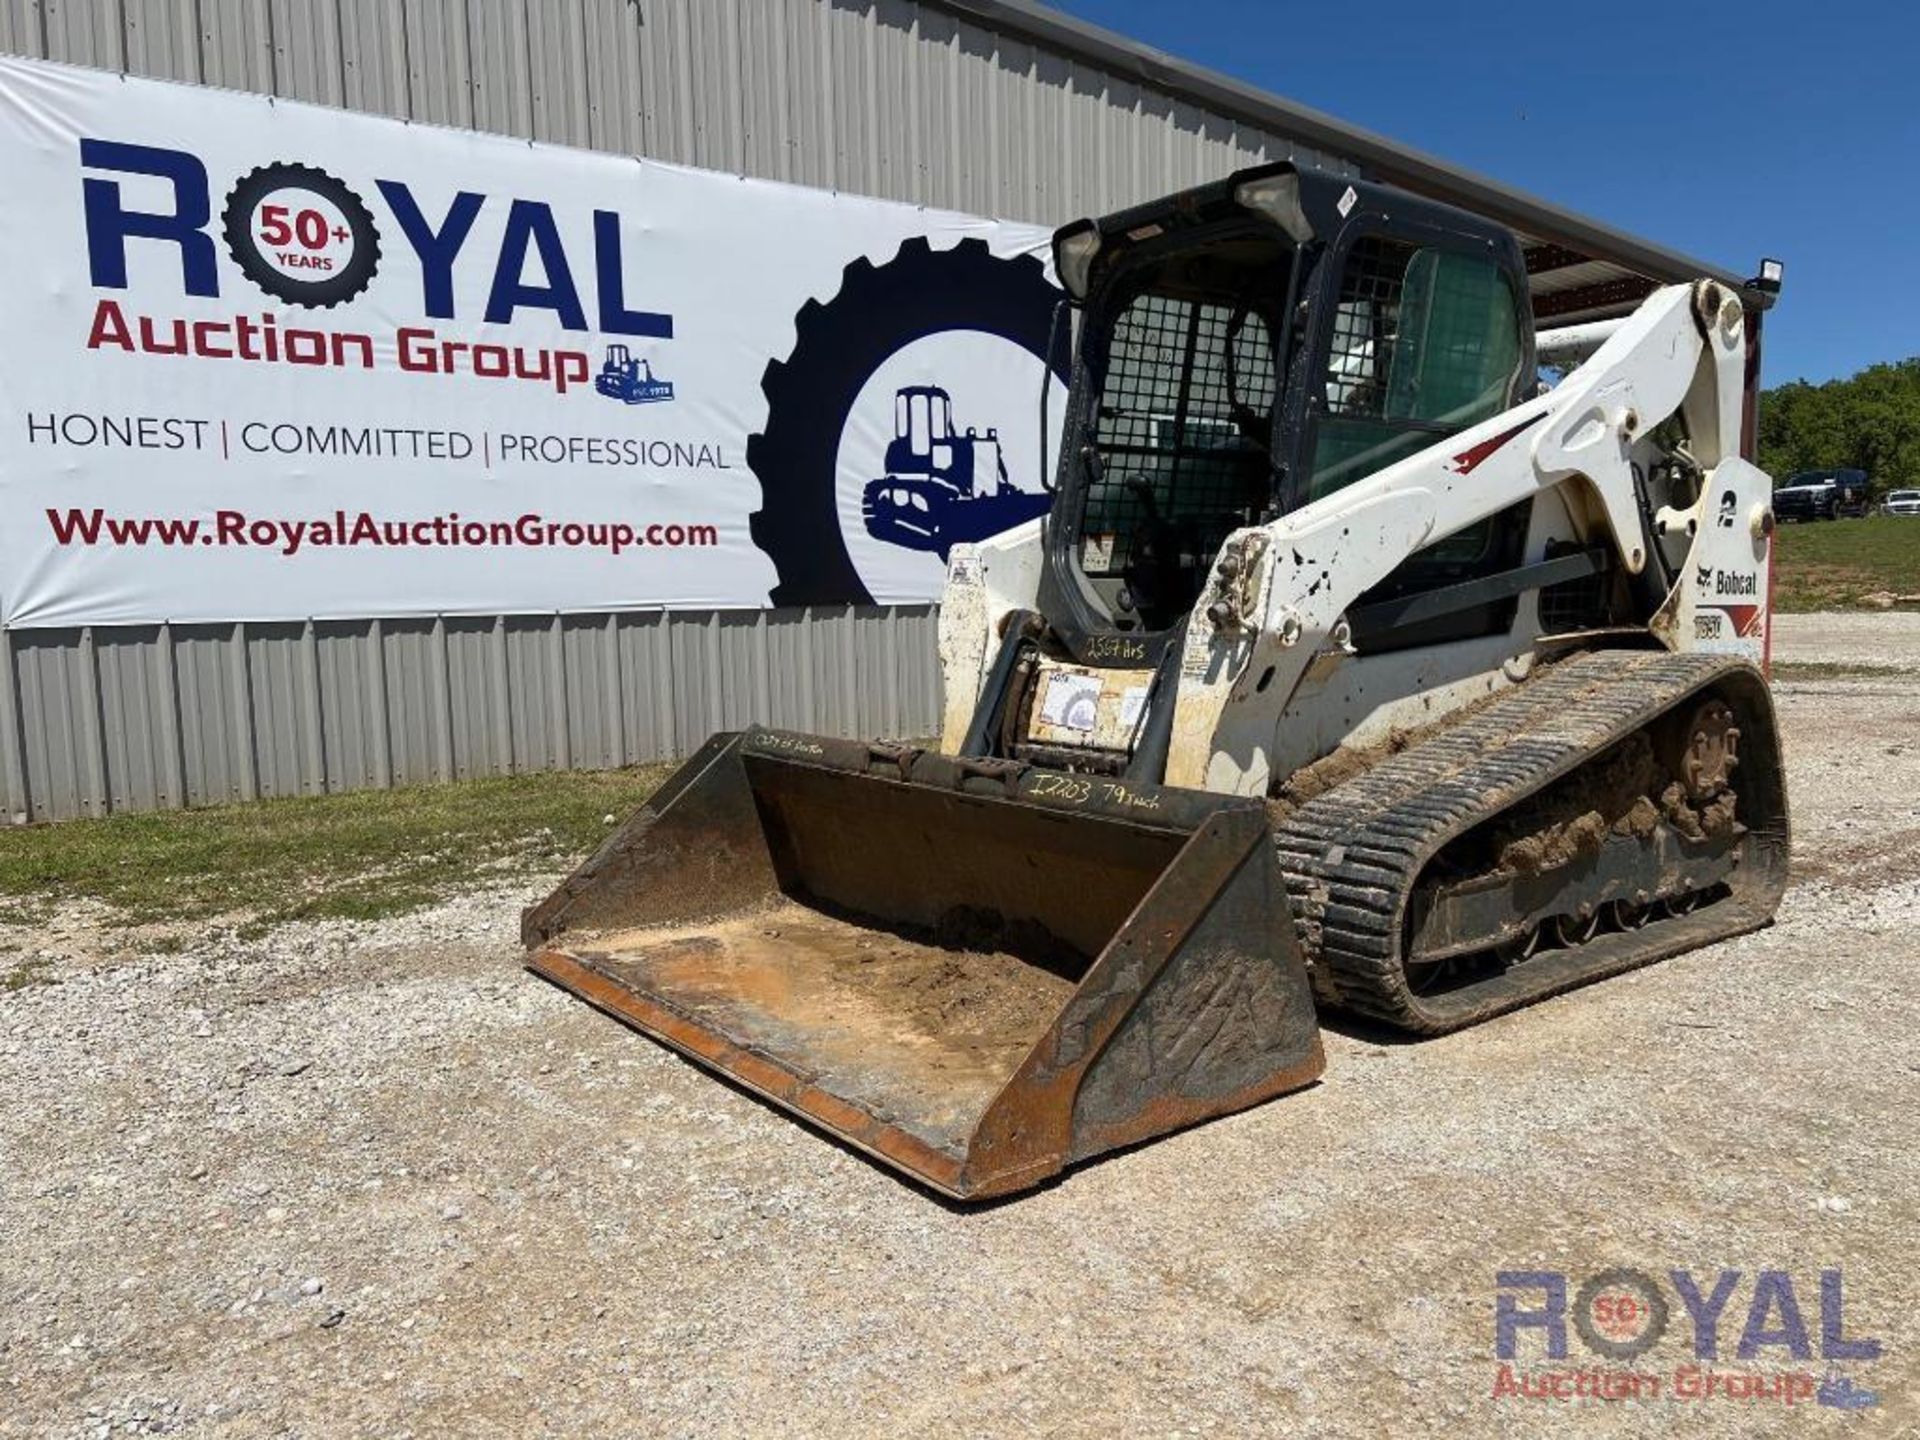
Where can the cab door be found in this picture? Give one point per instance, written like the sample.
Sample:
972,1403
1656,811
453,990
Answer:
1420,332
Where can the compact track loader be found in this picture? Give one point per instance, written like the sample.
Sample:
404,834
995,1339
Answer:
1352,666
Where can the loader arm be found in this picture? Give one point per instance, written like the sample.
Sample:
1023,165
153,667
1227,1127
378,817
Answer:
1277,592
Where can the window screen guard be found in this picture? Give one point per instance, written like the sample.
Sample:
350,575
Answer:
1184,415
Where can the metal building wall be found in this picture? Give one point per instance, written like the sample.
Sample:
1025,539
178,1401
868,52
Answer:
141,717
907,101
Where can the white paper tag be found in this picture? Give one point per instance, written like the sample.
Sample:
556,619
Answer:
1132,701
1348,199
1072,701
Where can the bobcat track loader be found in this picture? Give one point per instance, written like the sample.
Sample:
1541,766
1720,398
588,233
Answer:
1351,667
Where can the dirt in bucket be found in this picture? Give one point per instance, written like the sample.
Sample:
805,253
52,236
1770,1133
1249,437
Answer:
919,1029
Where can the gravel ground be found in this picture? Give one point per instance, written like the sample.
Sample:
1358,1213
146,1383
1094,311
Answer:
375,1180
1887,640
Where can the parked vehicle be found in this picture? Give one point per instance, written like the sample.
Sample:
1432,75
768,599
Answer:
1821,495
1902,502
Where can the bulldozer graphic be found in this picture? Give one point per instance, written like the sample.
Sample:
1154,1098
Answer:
624,377
942,488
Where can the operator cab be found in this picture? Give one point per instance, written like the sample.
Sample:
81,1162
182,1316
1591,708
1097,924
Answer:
922,428
1251,346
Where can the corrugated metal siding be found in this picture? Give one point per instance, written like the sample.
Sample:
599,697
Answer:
893,98
144,717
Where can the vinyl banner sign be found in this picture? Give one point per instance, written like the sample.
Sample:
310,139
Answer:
273,361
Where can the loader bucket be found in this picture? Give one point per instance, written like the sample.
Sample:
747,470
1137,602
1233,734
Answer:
975,971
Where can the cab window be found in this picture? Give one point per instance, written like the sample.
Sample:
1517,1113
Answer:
1425,342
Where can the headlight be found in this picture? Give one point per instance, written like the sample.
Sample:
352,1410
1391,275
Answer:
1278,198
1074,249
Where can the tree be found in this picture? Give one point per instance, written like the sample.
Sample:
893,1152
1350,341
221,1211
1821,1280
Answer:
1870,422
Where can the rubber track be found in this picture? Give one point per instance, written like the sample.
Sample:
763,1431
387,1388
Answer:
1352,856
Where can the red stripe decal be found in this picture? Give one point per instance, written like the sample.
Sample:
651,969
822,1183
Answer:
1467,461
1766,634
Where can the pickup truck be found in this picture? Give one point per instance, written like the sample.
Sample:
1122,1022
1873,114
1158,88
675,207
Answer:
1821,495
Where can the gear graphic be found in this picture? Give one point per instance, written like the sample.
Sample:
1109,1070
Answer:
840,343
338,286
1619,1279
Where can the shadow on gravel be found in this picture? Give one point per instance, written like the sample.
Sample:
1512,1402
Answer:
1370,1032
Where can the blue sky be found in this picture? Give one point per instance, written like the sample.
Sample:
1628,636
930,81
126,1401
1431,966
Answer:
1728,131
